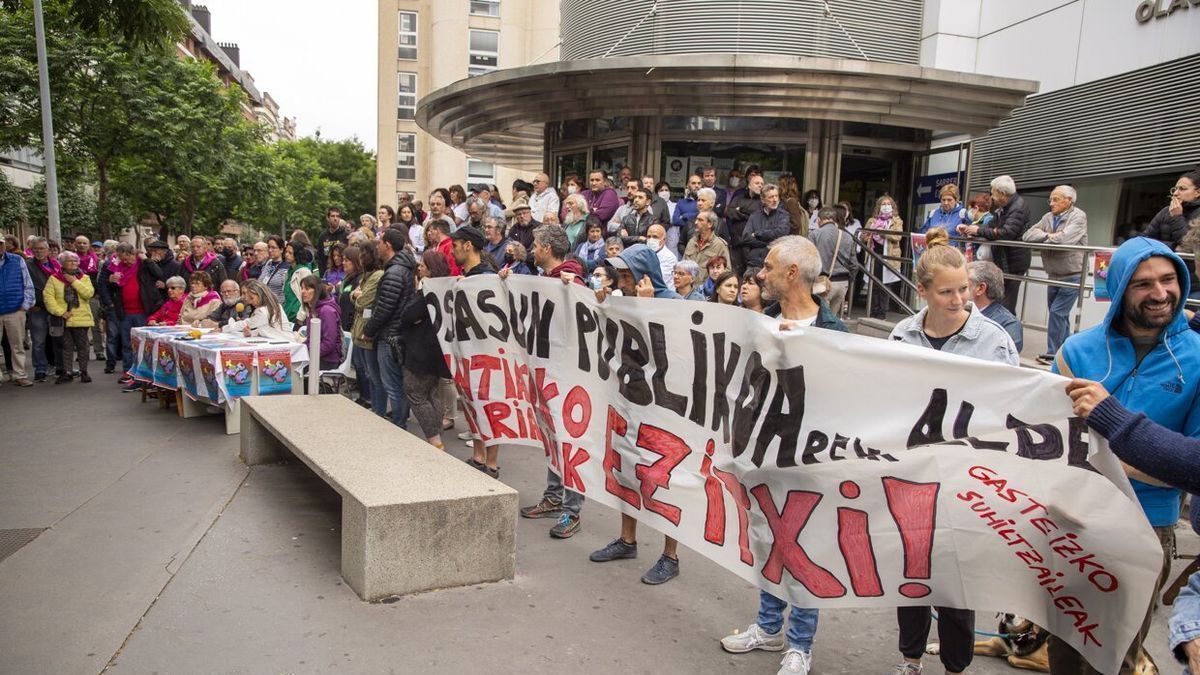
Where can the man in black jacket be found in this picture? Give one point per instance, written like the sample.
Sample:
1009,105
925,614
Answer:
231,258
385,326
708,175
334,234
1012,219
741,207
763,227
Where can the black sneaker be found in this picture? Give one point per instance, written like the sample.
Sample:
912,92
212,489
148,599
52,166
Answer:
617,550
108,370
85,378
63,379
39,377
663,571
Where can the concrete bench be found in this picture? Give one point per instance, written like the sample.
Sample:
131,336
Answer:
413,517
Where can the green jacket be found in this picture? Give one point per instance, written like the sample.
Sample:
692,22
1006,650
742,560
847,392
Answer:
363,305
291,291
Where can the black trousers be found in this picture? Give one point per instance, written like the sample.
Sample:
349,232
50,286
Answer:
956,633
75,345
1012,289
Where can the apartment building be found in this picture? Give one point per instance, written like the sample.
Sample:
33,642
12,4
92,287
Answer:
425,45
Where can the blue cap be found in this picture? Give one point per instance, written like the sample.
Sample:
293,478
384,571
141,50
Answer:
98,244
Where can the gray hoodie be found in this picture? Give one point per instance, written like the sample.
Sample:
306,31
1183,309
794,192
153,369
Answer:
980,338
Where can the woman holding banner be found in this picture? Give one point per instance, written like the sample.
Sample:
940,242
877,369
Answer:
950,323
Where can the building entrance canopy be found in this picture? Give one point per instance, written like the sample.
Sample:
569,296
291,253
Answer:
500,116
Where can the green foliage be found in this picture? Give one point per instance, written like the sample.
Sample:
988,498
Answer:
76,208
12,204
156,135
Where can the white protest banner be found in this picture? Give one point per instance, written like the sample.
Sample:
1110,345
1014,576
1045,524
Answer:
820,466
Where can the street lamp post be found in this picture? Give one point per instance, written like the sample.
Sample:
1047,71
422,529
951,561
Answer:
47,125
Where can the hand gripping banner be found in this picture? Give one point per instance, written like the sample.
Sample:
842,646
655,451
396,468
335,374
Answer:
829,469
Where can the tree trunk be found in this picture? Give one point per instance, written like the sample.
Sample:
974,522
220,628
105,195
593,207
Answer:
102,198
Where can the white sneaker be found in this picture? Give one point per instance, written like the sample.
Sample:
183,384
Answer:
753,638
907,668
465,436
795,661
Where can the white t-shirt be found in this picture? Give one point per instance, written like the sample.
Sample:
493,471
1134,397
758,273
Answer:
803,323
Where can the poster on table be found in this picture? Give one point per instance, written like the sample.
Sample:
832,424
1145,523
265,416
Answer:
237,376
166,373
1100,273
145,361
971,486
135,349
186,362
275,372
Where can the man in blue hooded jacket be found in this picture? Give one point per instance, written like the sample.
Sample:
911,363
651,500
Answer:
637,273
1145,354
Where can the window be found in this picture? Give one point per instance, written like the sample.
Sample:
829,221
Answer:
408,36
484,52
480,172
485,7
406,104
406,157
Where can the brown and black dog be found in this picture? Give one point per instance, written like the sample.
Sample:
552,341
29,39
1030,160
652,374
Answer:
1024,646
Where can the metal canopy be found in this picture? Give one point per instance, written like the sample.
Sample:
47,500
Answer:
500,116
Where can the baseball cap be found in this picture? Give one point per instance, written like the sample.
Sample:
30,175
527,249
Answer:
470,234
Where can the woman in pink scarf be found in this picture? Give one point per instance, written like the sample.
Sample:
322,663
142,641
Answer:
200,302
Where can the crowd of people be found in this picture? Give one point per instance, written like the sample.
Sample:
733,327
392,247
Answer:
763,247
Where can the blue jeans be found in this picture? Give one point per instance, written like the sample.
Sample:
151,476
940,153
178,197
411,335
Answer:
112,340
369,382
392,377
128,323
1058,325
38,322
802,624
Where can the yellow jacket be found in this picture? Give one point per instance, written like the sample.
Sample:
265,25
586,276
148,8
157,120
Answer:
55,296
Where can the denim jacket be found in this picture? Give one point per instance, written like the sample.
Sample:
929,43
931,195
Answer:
1185,620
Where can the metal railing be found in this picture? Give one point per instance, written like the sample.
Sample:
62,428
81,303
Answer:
1084,286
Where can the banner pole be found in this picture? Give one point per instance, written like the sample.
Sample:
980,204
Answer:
314,356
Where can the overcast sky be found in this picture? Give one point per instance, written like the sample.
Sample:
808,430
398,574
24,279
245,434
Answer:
317,59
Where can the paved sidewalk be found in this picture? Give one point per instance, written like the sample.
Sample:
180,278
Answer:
165,554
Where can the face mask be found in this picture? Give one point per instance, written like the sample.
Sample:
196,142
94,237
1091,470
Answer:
596,283
571,189
734,182
654,244
886,209
812,203
666,196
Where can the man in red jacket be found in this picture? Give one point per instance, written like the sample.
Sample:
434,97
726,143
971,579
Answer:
439,235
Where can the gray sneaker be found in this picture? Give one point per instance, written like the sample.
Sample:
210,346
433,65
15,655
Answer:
617,550
907,668
795,662
753,638
663,571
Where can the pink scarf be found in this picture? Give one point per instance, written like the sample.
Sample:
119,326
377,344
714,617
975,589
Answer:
89,263
881,222
209,256
52,268
208,297
127,272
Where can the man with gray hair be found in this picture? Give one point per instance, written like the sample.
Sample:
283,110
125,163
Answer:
987,290
763,227
790,269
1064,225
544,199
1012,219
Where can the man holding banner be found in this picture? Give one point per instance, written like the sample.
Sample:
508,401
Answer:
1145,353
788,273
978,489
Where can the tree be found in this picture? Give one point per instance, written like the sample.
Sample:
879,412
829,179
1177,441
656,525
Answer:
135,23
76,207
349,165
297,190
12,204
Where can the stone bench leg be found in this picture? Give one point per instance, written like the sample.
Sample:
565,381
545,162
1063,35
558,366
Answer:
408,548
258,444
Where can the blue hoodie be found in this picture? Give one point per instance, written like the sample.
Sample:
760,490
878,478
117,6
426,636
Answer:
1164,385
644,262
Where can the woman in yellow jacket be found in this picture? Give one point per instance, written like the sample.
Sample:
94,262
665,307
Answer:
67,295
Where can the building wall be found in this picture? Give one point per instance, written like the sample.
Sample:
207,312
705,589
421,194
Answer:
1058,43
528,31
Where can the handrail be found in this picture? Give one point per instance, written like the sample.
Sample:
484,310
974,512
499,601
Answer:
1083,286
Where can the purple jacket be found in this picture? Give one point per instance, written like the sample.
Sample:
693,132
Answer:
331,329
602,205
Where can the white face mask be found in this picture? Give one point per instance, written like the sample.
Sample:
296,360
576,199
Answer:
734,182
571,189
886,209
654,244
666,196
813,203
